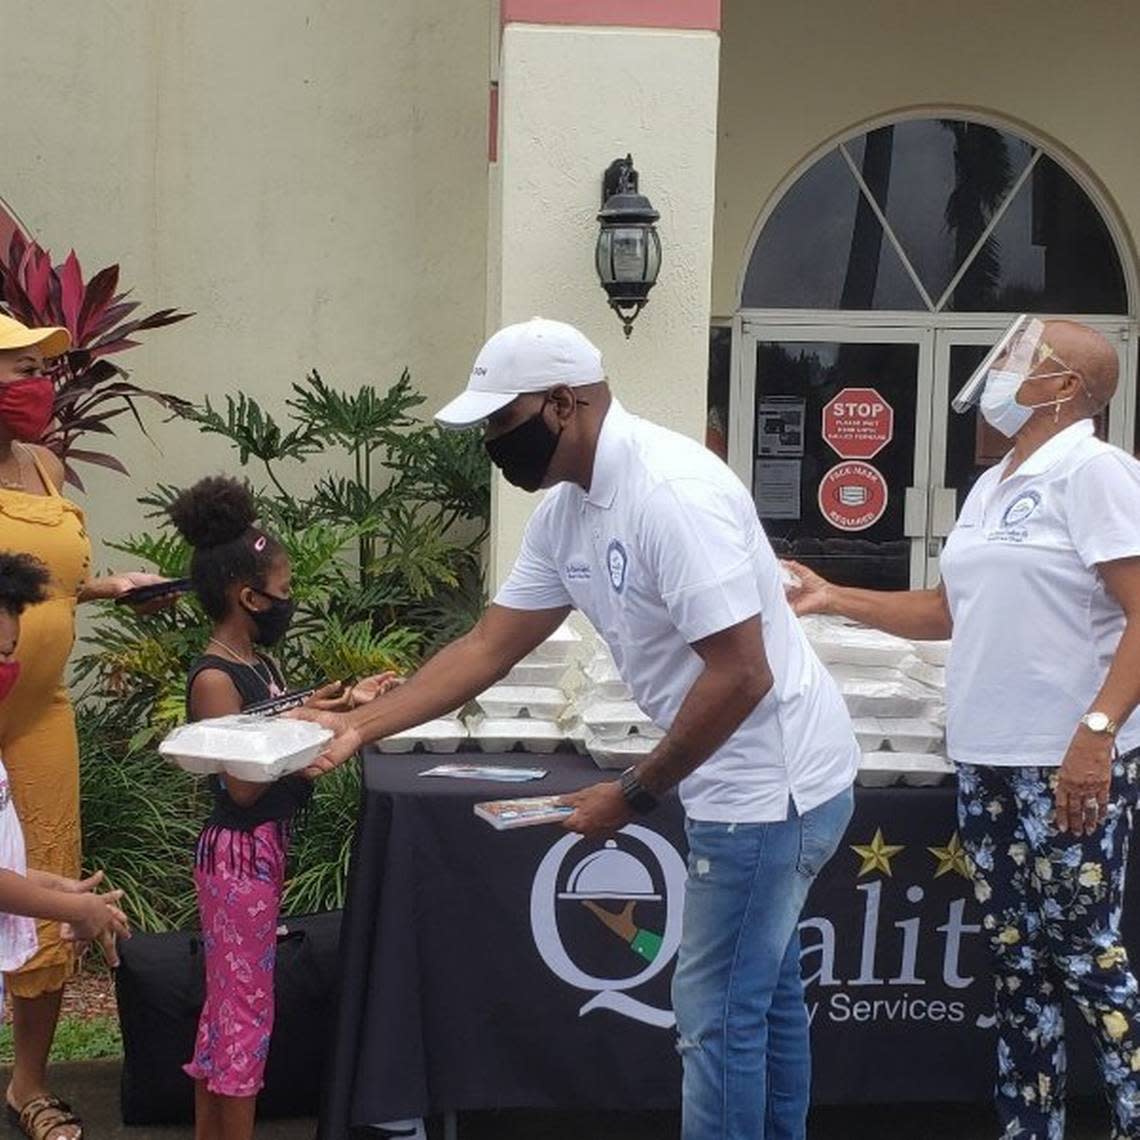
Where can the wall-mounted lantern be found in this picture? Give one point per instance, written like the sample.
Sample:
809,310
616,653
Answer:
628,254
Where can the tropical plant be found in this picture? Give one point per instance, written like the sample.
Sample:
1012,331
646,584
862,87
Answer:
386,567
91,390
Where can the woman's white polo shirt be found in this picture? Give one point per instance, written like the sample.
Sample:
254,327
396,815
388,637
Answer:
662,551
1035,630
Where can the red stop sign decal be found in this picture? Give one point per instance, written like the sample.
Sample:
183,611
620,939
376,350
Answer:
858,423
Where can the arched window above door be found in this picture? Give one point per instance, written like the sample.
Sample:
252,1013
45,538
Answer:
936,215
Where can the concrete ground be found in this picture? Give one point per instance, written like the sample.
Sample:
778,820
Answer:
93,1088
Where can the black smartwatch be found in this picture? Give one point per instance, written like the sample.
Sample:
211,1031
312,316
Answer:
639,798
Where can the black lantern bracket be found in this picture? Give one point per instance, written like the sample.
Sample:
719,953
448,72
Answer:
628,253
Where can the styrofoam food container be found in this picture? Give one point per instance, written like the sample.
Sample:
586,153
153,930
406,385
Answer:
559,647
918,769
933,652
885,699
869,733
548,674
855,645
911,734
442,735
540,702
577,733
614,719
934,676
258,749
867,672
877,770
926,770
502,734
619,753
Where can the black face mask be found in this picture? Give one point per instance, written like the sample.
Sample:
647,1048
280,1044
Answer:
271,625
523,454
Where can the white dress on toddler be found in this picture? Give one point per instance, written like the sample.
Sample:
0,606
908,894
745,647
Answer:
17,933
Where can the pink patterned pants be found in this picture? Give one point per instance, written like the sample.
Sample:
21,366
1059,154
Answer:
238,901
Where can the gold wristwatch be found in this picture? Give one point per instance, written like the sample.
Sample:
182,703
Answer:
1100,723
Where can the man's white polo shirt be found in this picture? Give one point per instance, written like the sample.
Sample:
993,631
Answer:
1035,630
664,550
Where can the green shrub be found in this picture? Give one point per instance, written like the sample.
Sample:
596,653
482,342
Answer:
386,568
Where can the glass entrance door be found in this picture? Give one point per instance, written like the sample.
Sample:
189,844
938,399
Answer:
857,463
837,447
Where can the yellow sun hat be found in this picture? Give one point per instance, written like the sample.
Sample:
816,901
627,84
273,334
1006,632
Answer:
51,341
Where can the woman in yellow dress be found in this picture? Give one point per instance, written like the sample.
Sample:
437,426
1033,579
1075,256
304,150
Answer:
37,726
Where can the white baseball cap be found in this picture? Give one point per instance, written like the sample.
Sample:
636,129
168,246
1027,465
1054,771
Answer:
533,356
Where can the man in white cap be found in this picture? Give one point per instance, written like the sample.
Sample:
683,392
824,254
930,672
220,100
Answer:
657,542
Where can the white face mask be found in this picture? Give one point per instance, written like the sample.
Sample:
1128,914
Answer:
999,402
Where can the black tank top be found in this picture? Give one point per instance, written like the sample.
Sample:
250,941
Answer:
283,799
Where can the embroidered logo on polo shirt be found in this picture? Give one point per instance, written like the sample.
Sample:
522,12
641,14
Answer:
577,571
1020,509
616,562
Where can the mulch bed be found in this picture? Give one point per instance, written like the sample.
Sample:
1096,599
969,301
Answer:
88,996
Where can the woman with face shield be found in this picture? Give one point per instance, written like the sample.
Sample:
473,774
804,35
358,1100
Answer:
1040,592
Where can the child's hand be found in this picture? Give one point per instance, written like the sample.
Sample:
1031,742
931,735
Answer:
333,697
372,687
100,920
53,882
339,698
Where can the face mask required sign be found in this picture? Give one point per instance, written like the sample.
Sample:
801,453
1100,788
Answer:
853,496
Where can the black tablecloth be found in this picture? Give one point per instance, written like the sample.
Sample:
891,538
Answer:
475,977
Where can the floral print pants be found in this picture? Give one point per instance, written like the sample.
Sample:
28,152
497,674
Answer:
1051,905
238,903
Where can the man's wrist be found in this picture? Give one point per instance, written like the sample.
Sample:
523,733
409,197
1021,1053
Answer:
637,796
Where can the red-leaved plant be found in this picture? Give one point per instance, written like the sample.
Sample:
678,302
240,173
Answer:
90,389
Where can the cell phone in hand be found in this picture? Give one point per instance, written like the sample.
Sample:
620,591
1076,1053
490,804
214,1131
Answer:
155,590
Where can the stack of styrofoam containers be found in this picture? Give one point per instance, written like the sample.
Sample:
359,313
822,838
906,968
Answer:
604,720
524,709
892,691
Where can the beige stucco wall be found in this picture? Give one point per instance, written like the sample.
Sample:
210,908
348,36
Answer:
309,178
795,75
574,99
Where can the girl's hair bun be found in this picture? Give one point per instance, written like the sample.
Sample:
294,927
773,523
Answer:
216,510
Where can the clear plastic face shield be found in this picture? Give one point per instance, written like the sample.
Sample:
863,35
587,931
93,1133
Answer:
1019,350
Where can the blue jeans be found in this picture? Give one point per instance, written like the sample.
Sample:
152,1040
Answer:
738,992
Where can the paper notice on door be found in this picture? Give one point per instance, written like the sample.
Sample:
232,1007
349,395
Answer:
776,488
780,426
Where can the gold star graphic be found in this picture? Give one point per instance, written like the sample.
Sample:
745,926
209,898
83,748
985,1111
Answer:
876,855
952,857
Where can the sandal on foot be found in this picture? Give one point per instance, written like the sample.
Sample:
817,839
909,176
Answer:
43,1116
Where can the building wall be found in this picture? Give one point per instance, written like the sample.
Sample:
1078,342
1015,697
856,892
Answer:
308,177
574,99
794,76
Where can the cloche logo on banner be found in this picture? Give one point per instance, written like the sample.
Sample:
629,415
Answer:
632,888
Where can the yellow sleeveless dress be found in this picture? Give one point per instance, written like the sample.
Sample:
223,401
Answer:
37,725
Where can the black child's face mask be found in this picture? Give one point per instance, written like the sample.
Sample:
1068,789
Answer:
271,625
523,454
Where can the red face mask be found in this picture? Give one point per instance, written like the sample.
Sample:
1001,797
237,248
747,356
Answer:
26,407
9,675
